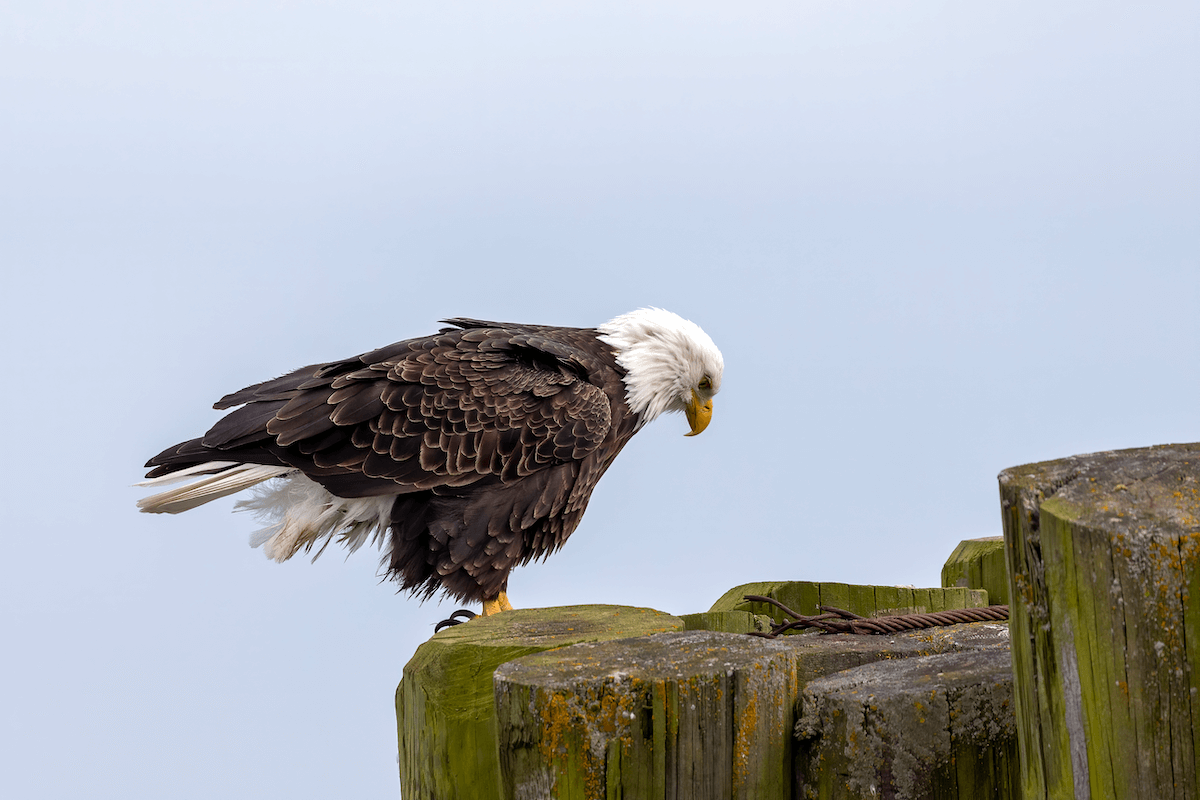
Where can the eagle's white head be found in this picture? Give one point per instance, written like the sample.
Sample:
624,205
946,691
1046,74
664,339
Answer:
670,364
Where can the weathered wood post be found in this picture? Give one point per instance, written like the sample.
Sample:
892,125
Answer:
1103,553
678,715
936,727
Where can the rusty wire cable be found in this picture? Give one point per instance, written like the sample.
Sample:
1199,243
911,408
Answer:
835,620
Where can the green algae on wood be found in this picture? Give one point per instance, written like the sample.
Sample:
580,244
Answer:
445,707
979,564
727,622
688,715
803,597
1104,551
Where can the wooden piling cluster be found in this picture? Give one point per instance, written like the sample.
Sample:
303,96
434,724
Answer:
607,702
1100,562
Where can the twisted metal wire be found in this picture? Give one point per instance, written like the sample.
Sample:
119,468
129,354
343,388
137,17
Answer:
836,620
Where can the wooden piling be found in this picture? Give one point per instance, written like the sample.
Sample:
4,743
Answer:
1104,563
936,727
979,564
681,715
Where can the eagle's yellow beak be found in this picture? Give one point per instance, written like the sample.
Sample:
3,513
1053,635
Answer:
699,412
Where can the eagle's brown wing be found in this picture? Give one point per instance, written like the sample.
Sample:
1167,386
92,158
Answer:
482,401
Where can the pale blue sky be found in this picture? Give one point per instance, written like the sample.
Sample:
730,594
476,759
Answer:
932,239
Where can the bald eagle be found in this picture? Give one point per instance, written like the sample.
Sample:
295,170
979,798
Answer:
463,454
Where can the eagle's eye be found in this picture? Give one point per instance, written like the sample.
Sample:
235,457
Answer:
706,383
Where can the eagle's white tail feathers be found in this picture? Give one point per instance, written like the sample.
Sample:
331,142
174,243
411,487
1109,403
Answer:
301,513
206,468
217,479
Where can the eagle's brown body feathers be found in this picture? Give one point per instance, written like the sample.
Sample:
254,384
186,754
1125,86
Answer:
492,437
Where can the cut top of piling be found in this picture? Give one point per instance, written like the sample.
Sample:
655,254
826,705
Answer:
1123,491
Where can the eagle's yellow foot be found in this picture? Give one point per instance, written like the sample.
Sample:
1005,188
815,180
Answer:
497,604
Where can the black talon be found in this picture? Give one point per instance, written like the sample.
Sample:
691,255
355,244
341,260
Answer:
465,613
